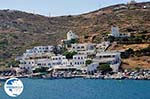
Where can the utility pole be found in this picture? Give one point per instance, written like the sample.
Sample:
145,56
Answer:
49,15
33,11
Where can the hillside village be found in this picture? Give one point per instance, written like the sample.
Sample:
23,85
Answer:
85,51
20,30
70,55
58,56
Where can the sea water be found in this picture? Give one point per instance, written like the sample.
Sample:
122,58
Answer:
82,89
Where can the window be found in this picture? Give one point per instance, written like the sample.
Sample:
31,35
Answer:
107,56
82,46
113,55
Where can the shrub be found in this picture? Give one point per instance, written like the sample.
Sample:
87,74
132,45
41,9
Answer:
42,69
104,68
69,55
88,62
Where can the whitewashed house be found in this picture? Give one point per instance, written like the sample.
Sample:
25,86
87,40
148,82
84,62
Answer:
132,2
78,60
59,61
43,63
147,6
92,67
112,58
102,46
39,50
71,35
106,57
115,33
27,64
85,48
29,61
121,7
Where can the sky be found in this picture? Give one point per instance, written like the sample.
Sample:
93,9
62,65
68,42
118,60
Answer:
59,7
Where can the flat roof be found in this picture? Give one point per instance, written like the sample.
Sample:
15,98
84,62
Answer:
108,53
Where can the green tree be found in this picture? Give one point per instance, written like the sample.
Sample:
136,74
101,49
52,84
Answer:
74,41
13,63
111,38
104,68
130,51
40,70
69,55
87,62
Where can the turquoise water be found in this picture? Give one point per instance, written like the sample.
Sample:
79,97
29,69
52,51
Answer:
82,89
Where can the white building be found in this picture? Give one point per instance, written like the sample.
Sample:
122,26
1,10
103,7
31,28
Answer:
43,63
59,61
106,57
102,46
120,7
78,60
92,67
52,61
39,50
132,2
27,64
71,35
86,48
115,33
112,58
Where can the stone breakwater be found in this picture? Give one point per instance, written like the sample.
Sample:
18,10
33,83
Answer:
133,75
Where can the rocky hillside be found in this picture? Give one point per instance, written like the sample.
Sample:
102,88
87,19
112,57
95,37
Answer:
21,30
